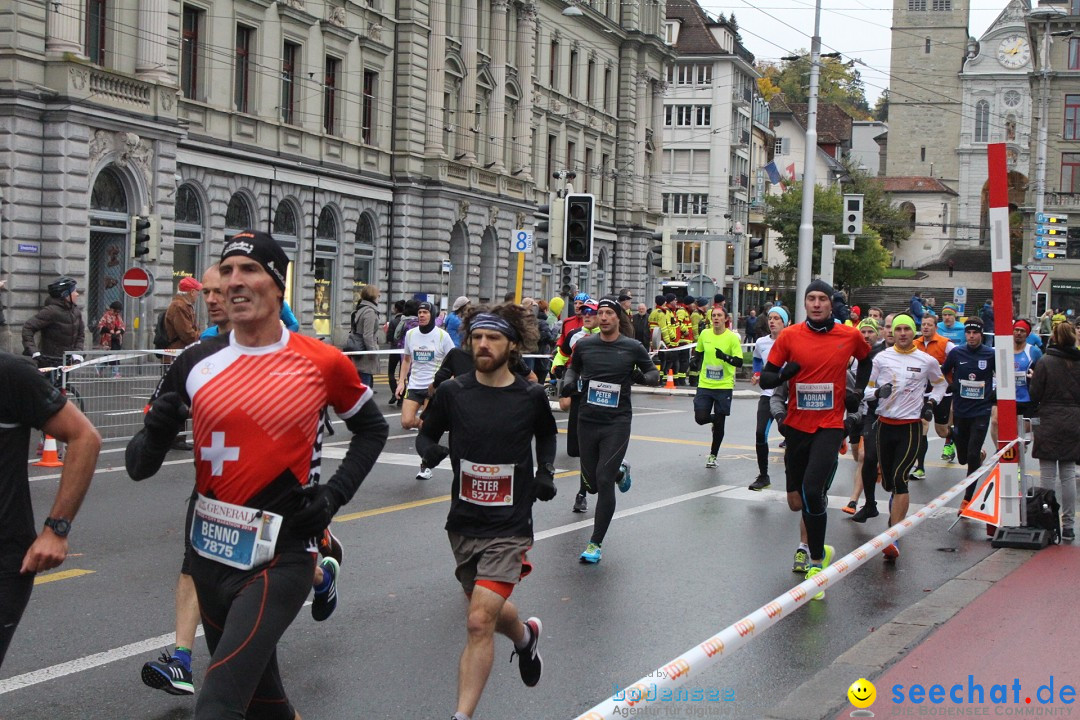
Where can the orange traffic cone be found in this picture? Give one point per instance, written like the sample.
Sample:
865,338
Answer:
49,455
670,380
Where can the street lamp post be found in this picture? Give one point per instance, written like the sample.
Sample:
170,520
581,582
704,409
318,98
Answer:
806,224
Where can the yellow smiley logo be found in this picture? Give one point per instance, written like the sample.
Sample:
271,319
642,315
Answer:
862,693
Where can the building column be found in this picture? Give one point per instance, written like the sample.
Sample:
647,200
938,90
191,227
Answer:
526,64
497,112
151,58
64,28
644,99
467,115
436,80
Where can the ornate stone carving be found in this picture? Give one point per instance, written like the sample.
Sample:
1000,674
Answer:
337,17
642,77
493,216
500,5
374,31
132,151
296,4
519,220
529,13
79,78
463,210
167,99
100,144
660,88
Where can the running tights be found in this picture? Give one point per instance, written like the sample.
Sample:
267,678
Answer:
603,448
870,459
718,422
244,614
15,591
969,434
810,462
761,435
898,446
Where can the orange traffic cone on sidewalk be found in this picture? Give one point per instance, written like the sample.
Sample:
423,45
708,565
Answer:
670,380
49,455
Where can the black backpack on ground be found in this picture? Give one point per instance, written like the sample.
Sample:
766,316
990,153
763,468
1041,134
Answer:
1044,511
161,335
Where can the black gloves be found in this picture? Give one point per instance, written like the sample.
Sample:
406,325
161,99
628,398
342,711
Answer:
695,361
559,372
637,377
852,400
851,424
789,371
166,416
434,455
544,483
928,410
315,514
780,427
883,391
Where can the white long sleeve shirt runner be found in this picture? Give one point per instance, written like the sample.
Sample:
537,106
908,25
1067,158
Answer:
908,373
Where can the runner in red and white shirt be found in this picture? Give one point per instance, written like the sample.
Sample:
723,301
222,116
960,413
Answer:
257,511
812,357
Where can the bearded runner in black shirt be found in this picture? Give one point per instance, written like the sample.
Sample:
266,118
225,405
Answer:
257,513
492,417
601,371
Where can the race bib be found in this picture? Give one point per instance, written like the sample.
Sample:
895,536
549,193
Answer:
973,389
603,394
234,535
423,355
1021,379
814,396
714,372
483,484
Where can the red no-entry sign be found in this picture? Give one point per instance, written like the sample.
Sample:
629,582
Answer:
136,282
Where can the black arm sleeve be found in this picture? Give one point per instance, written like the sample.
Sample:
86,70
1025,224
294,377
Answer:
145,454
770,377
733,360
862,375
444,373
370,431
546,447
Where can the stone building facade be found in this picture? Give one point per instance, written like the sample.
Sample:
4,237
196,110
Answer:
374,139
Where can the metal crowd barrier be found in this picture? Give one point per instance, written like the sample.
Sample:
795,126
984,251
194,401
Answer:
722,644
112,388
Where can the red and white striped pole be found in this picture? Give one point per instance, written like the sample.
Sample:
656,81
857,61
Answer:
1001,267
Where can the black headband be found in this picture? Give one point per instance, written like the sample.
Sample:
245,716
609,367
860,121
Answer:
608,303
263,249
490,321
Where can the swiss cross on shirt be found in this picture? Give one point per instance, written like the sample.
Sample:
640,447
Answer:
217,453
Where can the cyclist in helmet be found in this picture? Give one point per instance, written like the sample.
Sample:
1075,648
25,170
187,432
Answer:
60,324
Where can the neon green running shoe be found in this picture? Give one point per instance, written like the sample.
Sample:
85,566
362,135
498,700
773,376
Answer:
815,569
802,557
948,453
918,474
591,554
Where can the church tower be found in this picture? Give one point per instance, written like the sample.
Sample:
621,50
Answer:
929,44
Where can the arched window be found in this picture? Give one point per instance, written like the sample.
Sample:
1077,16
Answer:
982,121
108,242
286,232
909,210
364,257
237,215
188,231
285,221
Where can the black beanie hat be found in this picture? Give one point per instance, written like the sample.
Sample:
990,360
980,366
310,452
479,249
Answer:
263,249
718,299
659,299
819,286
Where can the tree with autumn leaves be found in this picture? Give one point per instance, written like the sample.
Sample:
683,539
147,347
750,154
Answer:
839,83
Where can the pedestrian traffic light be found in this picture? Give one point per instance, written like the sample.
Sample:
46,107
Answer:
578,229
549,233
853,214
145,237
663,255
756,255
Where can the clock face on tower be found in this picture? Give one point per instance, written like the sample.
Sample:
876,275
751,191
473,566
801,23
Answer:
1013,51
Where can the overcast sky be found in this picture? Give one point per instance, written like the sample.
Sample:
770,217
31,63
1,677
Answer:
857,28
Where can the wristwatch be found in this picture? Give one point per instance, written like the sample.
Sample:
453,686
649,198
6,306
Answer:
60,526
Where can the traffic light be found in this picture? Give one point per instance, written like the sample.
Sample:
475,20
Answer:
567,288
553,227
756,255
663,255
853,214
578,229
145,237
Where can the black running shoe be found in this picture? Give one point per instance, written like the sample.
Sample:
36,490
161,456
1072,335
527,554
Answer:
581,504
865,513
169,675
529,663
761,483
